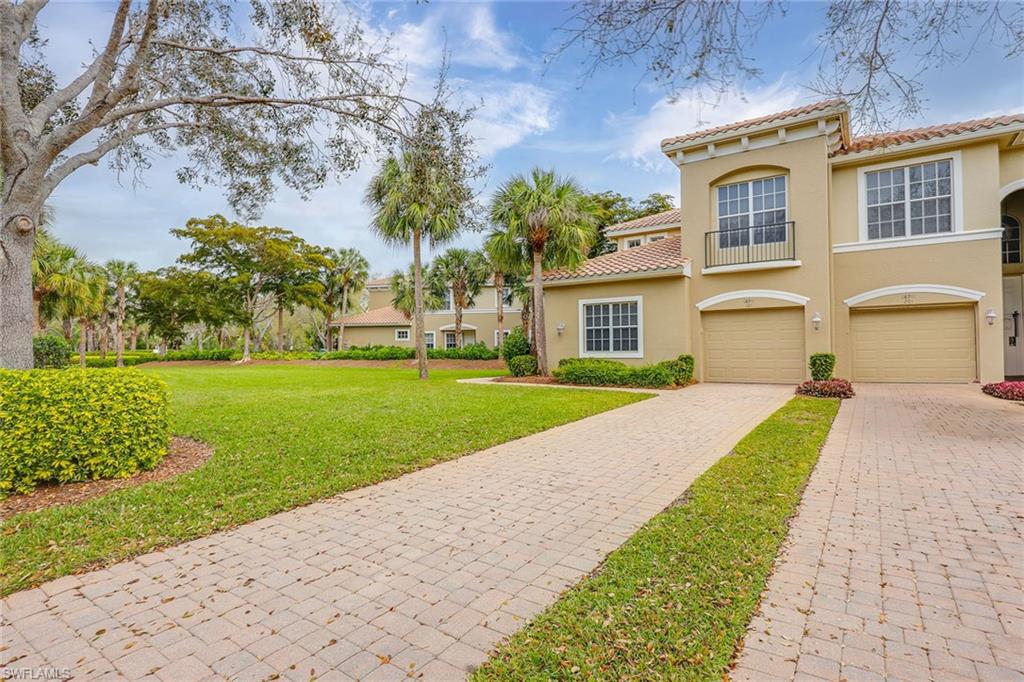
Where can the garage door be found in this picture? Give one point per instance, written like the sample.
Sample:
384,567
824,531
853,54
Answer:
764,345
914,344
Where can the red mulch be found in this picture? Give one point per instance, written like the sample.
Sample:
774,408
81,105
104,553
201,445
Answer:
434,364
552,380
184,454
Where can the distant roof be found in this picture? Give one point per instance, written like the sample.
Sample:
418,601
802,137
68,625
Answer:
379,282
879,140
672,217
753,122
663,255
378,317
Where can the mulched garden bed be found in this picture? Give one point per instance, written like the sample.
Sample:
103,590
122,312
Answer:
184,454
552,380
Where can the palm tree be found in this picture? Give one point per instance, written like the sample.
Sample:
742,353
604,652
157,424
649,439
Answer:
58,271
122,275
549,217
506,263
410,203
87,305
403,294
352,272
464,272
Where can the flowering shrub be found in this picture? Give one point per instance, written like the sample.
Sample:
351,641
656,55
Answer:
833,388
1007,390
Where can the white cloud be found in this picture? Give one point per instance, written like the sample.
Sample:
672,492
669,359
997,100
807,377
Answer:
637,137
508,113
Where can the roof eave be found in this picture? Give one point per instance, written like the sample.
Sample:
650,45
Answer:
640,230
681,271
899,148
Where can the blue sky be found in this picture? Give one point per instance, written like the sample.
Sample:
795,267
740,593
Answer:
603,130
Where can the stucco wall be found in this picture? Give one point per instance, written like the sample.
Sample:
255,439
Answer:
373,336
805,164
971,265
620,241
664,316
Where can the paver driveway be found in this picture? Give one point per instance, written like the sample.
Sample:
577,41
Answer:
906,560
418,575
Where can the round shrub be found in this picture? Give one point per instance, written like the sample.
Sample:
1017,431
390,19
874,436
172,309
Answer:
833,388
822,365
50,352
681,368
522,365
1007,390
76,425
515,344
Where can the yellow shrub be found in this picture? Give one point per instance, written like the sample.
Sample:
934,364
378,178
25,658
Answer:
76,425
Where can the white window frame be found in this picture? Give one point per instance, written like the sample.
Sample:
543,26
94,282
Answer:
508,306
957,196
455,342
656,238
751,227
399,331
431,339
638,353
506,331
629,242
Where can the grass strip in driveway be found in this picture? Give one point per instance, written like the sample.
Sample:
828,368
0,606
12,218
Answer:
283,436
675,600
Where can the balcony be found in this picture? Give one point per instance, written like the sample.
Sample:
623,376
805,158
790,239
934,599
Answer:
750,248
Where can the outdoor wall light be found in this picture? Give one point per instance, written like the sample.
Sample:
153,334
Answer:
560,328
816,321
990,316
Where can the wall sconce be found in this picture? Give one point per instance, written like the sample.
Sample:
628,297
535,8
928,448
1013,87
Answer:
816,321
560,328
990,316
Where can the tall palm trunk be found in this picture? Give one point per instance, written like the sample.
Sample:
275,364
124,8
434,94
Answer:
82,331
458,299
66,324
280,329
119,328
540,340
37,327
104,333
135,337
341,322
499,289
421,337
525,315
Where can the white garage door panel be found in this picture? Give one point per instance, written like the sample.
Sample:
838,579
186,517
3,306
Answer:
759,346
914,344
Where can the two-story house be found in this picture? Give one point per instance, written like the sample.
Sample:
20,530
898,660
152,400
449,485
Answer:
652,228
382,324
888,250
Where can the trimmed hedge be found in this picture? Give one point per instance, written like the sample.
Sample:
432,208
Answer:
833,388
50,352
473,351
601,372
76,425
371,353
822,365
682,369
1007,390
522,365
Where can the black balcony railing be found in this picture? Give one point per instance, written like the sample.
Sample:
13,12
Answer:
757,244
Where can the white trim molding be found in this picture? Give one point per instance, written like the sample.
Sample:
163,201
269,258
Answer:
946,289
956,193
638,353
403,330
753,293
922,240
1010,188
451,327
743,267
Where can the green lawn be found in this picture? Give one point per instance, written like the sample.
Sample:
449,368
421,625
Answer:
283,436
675,600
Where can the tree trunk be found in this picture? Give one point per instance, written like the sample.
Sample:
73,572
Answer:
540,340
341,322
67,329
421,337
328,335
135,337
103,333
280,329
119,327
457,301
499,289
37,301
17,237
525,313
81,342
245,345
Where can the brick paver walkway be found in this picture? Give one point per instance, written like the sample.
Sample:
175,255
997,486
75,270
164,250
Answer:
420,575
906,560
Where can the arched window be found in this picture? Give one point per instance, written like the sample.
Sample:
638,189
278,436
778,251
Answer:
1011,239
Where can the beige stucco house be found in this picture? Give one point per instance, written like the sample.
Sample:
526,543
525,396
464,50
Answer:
795,237
382,324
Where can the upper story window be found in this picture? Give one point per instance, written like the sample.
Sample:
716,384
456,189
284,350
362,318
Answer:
633,243
1011,239
446,300
752,210
910,200
656,238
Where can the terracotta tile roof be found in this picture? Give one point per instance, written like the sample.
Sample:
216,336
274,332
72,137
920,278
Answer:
378,317
664,254
379,282
670,217
752,122
866,142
